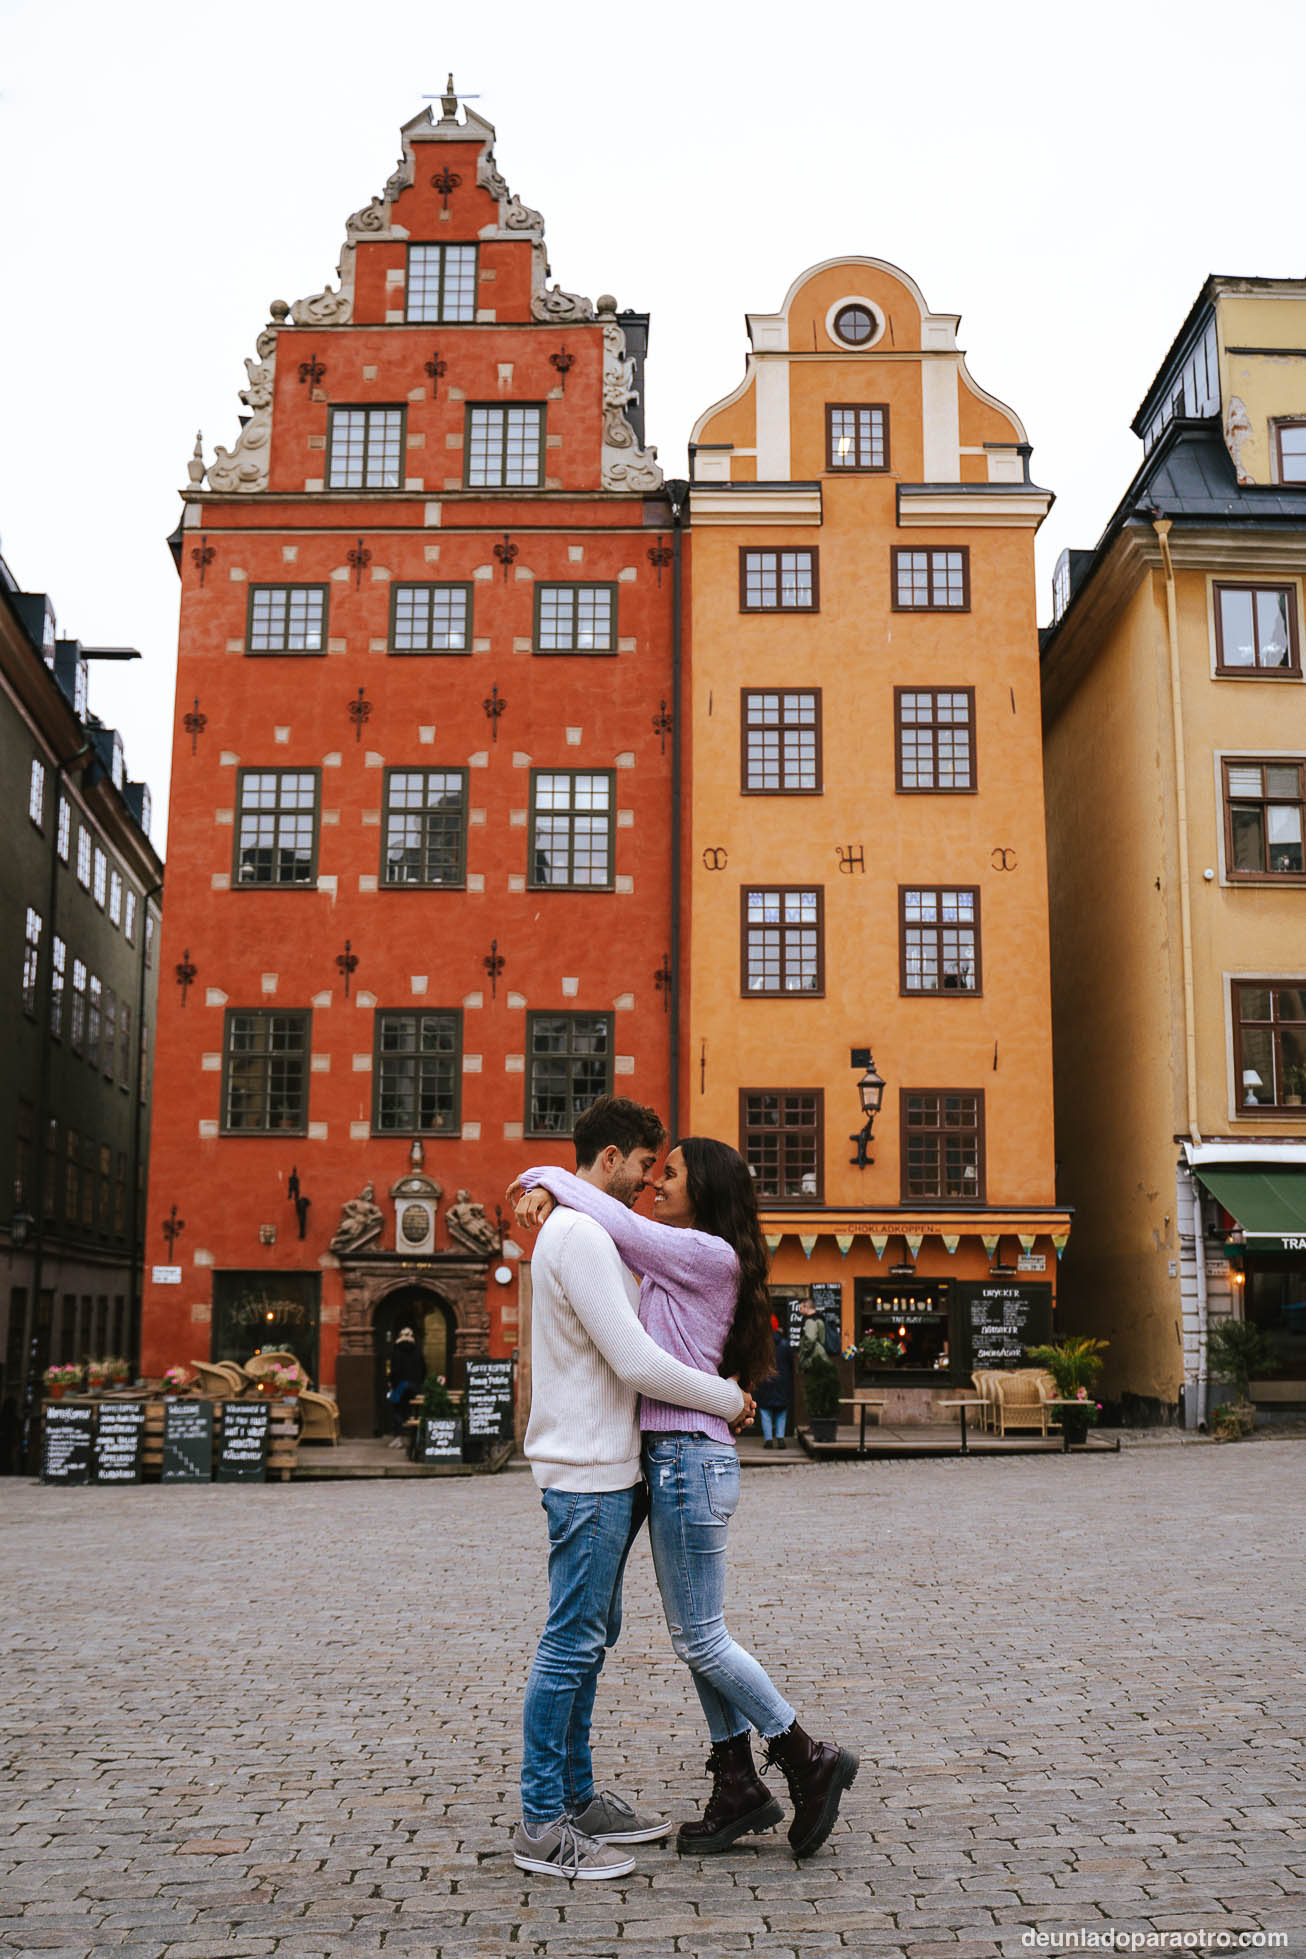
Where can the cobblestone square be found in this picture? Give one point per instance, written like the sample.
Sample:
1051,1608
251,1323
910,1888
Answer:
284,1720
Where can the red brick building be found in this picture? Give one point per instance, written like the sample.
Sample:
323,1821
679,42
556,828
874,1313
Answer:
419,889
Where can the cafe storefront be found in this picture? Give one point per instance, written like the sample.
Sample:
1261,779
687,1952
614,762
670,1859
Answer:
945,1295
1254,1226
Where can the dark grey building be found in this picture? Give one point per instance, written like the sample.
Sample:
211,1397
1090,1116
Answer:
80,886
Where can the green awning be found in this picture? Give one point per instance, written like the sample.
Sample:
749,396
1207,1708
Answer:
1269,1204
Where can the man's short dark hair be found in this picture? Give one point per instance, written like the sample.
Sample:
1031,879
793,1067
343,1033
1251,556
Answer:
616,1120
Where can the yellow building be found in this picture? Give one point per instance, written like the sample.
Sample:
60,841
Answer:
1176,782
866,852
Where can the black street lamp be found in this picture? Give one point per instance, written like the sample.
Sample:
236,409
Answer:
870,1093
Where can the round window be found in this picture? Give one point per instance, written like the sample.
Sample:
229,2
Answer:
855,325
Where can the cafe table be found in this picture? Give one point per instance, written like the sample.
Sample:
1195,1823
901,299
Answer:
973,1401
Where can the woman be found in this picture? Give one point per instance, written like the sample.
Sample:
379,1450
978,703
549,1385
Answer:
704,1298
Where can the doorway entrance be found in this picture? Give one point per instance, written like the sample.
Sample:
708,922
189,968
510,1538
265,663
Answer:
432,1321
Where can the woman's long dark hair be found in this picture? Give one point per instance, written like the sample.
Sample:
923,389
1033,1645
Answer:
725,1205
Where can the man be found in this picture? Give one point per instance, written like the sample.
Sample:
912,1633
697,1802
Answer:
590,1360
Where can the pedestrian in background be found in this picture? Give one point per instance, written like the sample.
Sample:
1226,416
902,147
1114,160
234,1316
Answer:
775,1395
406,1372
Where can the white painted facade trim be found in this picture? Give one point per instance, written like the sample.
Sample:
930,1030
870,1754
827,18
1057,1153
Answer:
941,422
743,504
971,508
772,411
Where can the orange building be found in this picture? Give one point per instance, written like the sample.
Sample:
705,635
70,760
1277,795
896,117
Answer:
866,858
425,654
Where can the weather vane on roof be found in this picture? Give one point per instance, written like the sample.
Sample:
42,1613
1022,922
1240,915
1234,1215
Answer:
449,100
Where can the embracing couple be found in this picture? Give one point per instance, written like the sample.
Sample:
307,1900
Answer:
665,1362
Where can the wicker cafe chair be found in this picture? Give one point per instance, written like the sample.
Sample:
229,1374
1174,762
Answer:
319,1418
260,1364
983,1383
220,1380
1022,1399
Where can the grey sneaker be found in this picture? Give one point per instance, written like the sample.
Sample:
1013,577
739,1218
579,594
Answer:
609,1818
564,1851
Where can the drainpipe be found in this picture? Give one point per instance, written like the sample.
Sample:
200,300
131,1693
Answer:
678,497
139,1200
1161,525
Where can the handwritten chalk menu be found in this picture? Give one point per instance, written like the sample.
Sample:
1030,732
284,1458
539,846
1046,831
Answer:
439,1441
243,1443
1003,1319
488,1402
828,1302
797,1313
187,1441
119,1440
66,1450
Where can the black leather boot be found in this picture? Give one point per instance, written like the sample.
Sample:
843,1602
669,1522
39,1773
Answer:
739,1804
817,1772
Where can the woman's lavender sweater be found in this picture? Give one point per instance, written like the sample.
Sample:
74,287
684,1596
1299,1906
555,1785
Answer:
688,1291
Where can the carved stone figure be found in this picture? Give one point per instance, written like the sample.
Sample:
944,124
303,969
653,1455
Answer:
468,1224
371,219
246,466
520,217
361,1222
326,308
551,303
1237,429
625,466
487,175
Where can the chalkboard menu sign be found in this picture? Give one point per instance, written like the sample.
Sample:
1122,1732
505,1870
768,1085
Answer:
119,1439
439,1441
243,1445
488,1402
66,1450
187,1441
828,1302
1002,1319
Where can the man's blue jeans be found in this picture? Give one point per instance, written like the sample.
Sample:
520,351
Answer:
693,1487
773,1422
590,1535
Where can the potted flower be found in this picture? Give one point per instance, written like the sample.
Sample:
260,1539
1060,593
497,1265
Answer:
820,1383
875,1350
59,1380
1235,1351
1074,1364
286,1381
117,1372
96,1378
177,1380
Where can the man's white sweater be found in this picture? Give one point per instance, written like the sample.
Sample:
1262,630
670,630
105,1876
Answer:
591,1360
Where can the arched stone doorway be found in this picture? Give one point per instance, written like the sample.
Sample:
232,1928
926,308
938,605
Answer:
431,1319
372,1279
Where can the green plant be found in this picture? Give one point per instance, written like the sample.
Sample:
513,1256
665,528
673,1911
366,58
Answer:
821,1377
874,1350
437,1402
1073,1362
1235,1350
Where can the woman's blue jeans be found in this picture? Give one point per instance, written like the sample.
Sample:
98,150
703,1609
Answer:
693,1486
590,1535
773,1422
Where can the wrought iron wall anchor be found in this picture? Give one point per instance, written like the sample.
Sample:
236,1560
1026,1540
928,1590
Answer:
347,961
662,725
494,706
358,559
564,362
360,710
312,370
507,554
194,723
202,555
494,963
172,1228
186,970
437,369
660,556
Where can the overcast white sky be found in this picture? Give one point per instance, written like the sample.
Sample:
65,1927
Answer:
1064,178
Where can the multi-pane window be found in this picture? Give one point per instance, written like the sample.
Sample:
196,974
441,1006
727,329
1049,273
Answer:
129,916
425,827
416,1073
115,897
778,581
287,618
77,1026
72,1190
120,1195
783,950
265,1072
932,580
1263,818
89,1158
442,282
101,878
124,1042
505,447
431,619
857,436
31,960
94,996
58,972
1269,1027
780,1139
942,1144
571,833
1290,440
935,738
84,857
575,618
105,1167
365,448
276,827
568,1067
36,794
1256,629
65,828
109,1042
781,743
940,940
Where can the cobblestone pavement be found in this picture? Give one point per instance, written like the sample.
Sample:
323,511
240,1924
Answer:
284,1720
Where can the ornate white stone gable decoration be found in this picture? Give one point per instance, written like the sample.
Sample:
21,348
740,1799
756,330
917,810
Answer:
246,466
625,466
551,303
